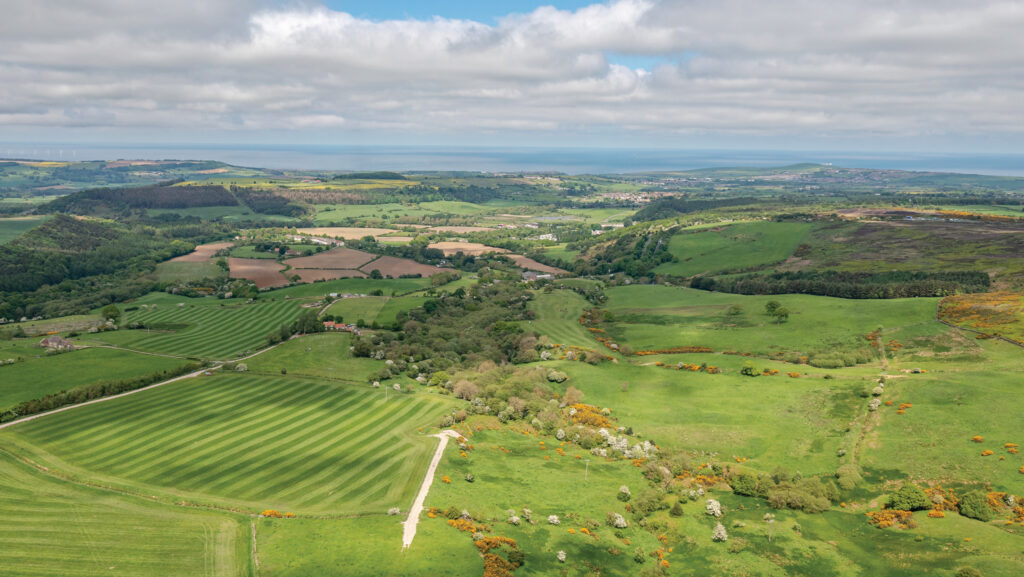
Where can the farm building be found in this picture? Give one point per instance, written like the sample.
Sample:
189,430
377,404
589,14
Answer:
55,342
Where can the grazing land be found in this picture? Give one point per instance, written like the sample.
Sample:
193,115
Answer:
36,373
12,228
347,233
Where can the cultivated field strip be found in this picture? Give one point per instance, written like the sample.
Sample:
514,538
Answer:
57,528
253,441
212,331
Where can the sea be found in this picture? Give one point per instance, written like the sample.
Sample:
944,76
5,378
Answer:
512,160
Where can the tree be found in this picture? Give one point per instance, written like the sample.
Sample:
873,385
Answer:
771,306
780,314
909,498
111,312
376,274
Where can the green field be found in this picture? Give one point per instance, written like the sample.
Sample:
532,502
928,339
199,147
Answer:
327,213
52,527
557,315
249,251
381,310
200,327
12,228
398,286
324,355
659,317
249,442
733,247
40,374
187,271
363,547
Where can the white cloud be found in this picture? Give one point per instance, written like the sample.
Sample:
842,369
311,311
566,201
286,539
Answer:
742,67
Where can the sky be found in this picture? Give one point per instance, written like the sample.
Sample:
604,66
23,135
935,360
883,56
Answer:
930,75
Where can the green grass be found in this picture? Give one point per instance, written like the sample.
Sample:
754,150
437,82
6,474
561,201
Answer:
323,355
12,228
382,310
187,271
52,527
363,547
399,286
733,247
327,213
560,252
249,251
249,442
389,312
660,317
202,327
41,374
361,308
557,313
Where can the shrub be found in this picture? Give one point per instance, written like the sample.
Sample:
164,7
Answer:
393,511
744,484
749,369
719,534
975,506
676,510
560,556
968,572
553,520
909,498
624,494
713,507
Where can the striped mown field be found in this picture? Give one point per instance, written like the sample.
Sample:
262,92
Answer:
51,527
248,441
205,328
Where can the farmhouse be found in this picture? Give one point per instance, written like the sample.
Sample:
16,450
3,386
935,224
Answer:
55,342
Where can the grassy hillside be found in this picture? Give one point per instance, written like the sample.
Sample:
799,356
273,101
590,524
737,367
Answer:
733,247
11,228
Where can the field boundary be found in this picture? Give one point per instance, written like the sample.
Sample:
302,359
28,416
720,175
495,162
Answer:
1001,338
132,392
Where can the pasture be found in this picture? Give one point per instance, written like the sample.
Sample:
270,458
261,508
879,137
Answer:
382,310
53,527
397,286
40,374
361,547
247,441
322,355
200,328
733,247
660,317
172,271
12,228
